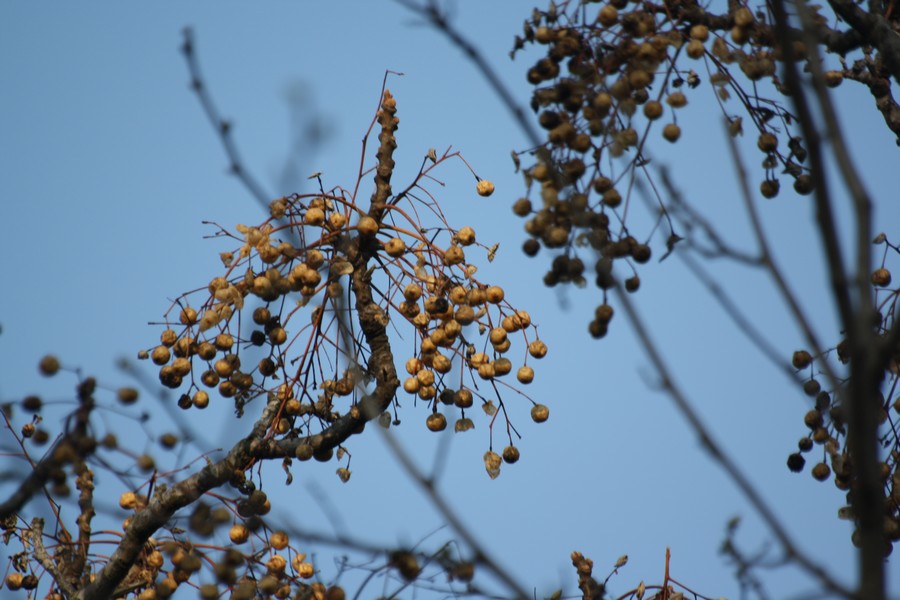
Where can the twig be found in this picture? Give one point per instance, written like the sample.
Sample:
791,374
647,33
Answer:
433,15
455,522
734,312
223,127
768,261
719,455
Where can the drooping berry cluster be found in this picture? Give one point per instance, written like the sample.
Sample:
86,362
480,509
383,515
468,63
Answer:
610,72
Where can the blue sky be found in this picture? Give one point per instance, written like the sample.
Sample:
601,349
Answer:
109,166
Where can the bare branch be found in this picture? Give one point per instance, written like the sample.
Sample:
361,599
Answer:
737,476
222,127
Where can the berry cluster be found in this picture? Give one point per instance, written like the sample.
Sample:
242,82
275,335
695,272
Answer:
295,313
827,420
611,72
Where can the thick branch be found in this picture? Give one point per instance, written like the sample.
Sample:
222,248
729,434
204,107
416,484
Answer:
860,393
874,29
166,503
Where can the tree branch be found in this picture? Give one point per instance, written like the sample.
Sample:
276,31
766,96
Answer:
222,127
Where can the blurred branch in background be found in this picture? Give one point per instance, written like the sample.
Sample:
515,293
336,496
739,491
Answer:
222,127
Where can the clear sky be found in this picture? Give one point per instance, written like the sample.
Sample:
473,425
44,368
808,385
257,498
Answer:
109,167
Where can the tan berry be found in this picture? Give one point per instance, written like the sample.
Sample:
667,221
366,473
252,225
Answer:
127,395
337,220
314,216
881,277
224,341
537,349
486,371
411,385
653,110
522,207
494,294
441,363
465,315
188,316
743,17
200,399
49,365
463,398
525,374
304,452
539,413
128,500
833,78
436,422
239,534
367,226
395,247
160,355
671,132
695,49
466,236
700,32
168,338
676,100
498,335
821,471
608,15
454,255
502,366
485,188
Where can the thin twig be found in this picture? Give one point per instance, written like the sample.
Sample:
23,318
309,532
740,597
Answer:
718,454
222,127
452,518
431,12
771,266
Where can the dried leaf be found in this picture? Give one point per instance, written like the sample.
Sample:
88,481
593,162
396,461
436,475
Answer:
492,462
